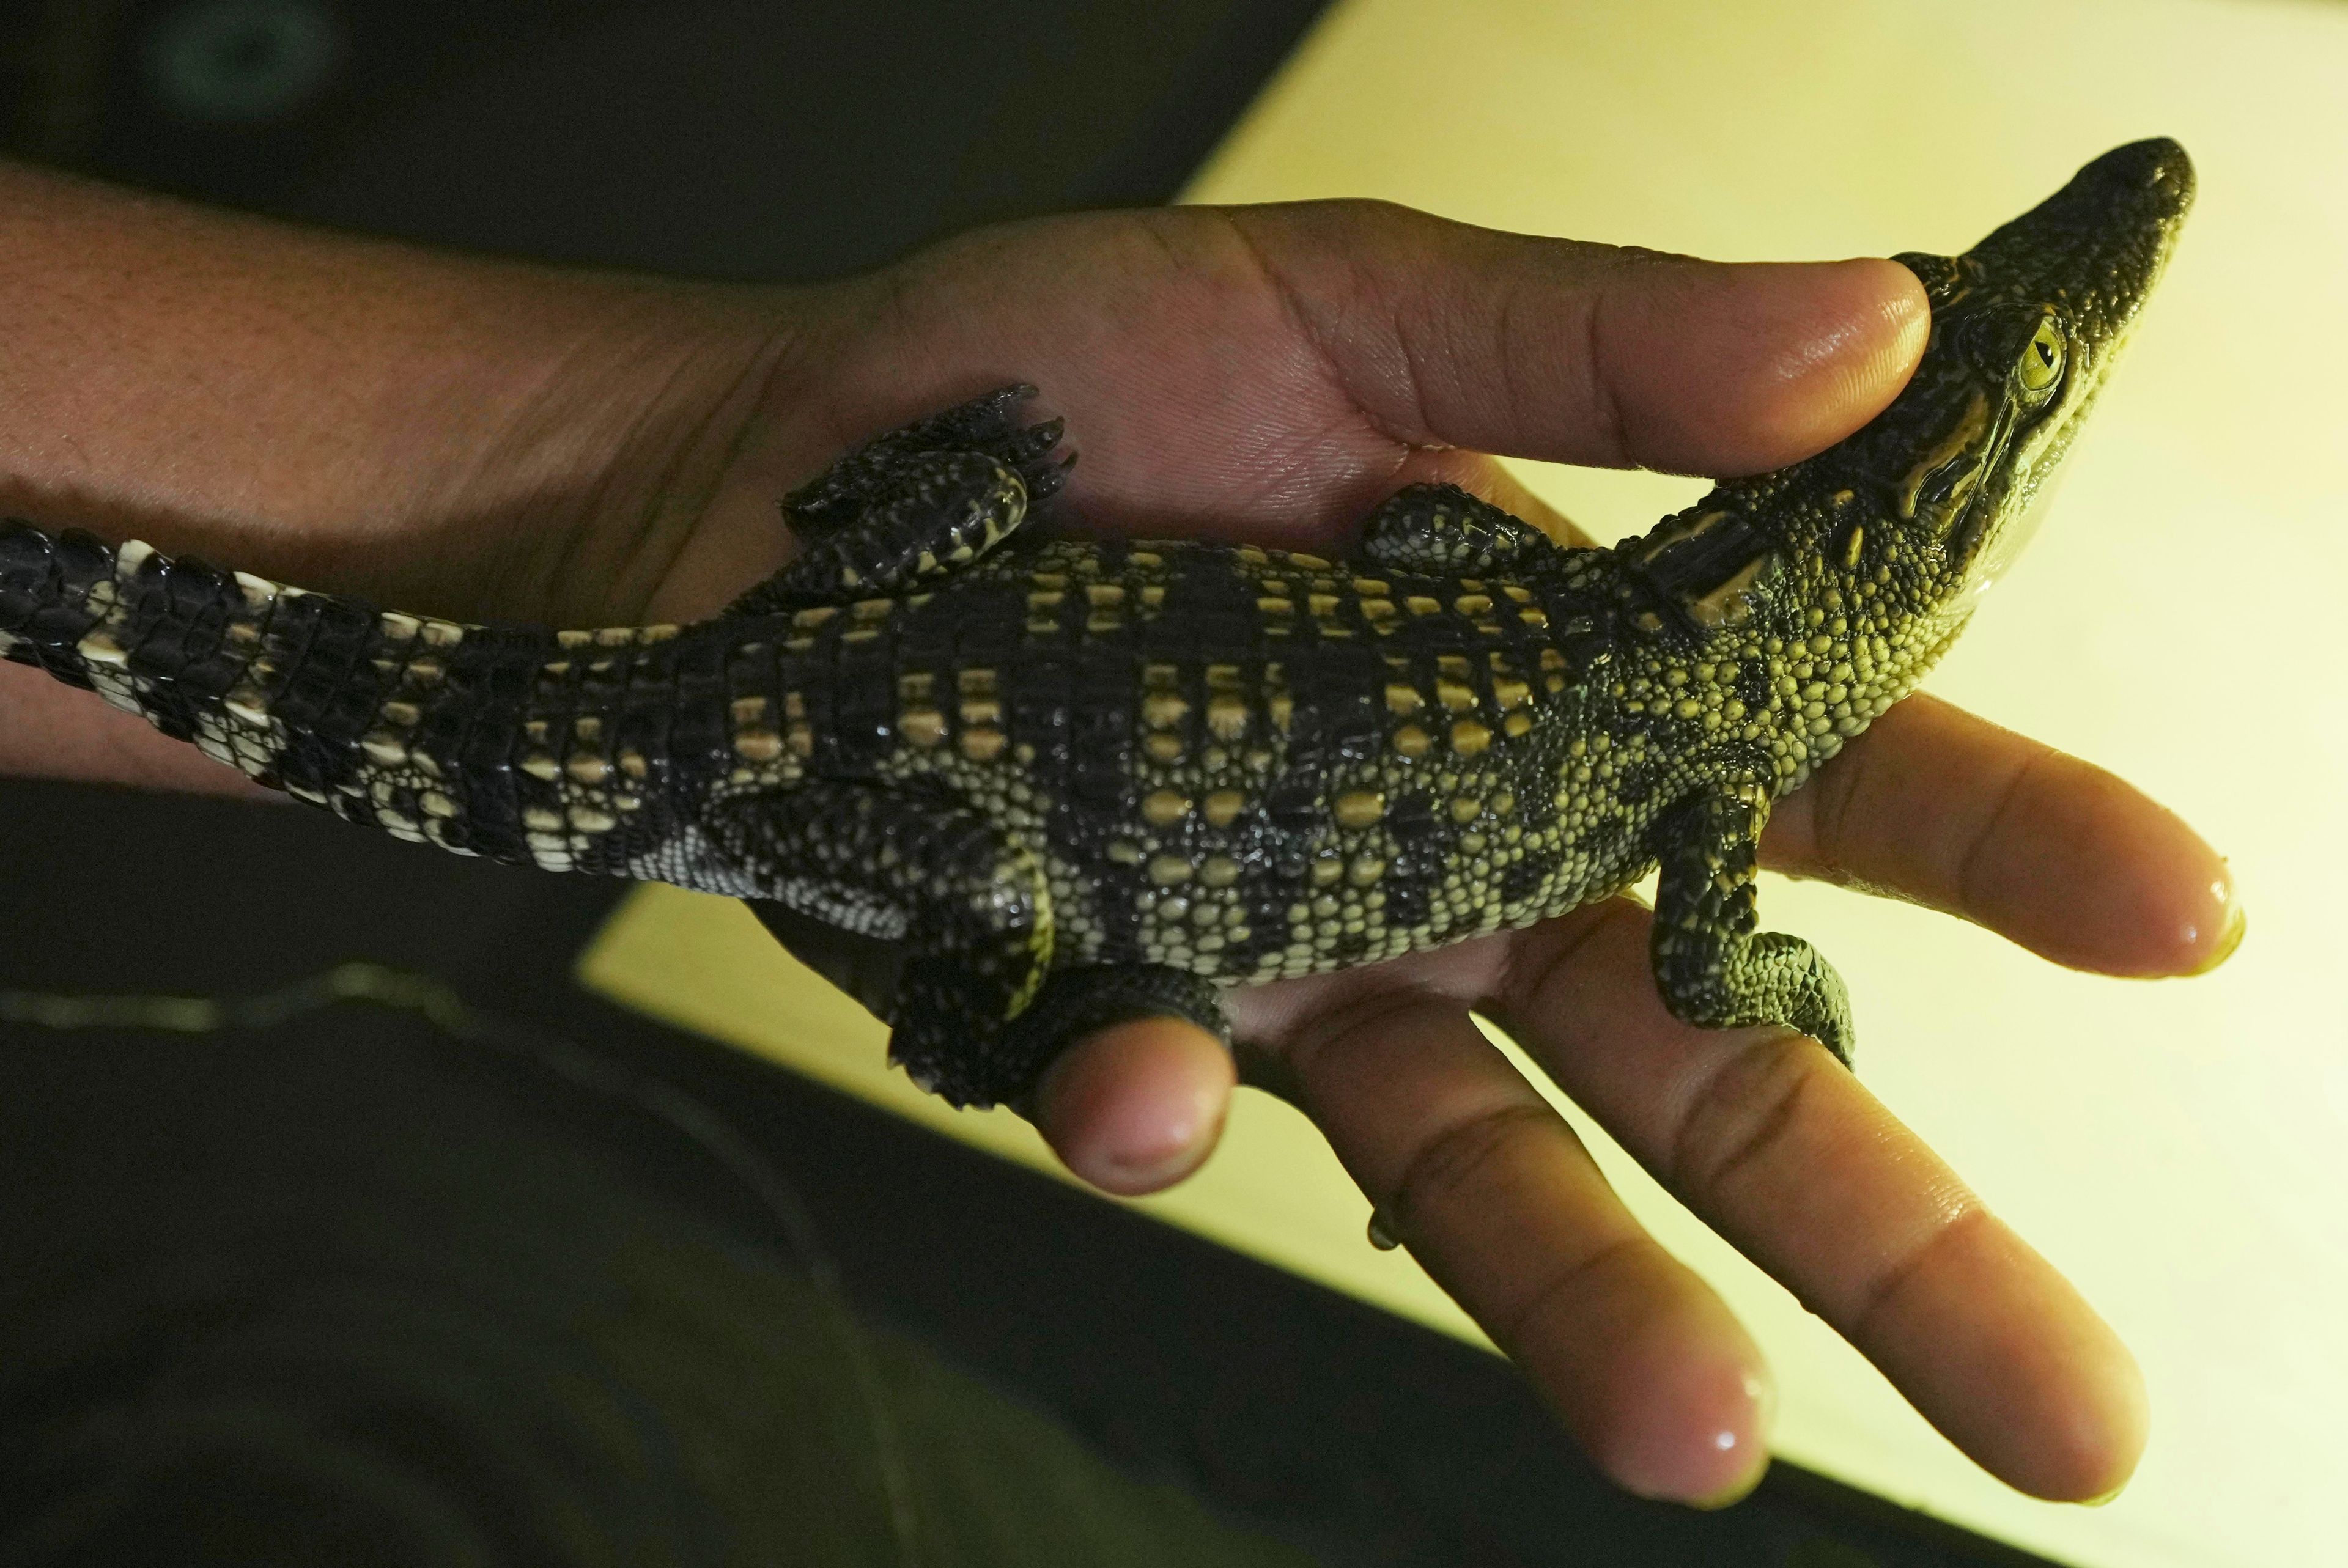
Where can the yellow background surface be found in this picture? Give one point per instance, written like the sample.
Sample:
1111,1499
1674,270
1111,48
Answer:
2179,1148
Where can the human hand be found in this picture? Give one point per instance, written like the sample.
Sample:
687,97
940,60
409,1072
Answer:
1270,374
480,439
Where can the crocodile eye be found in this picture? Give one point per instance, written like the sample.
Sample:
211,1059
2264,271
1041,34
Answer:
2042,362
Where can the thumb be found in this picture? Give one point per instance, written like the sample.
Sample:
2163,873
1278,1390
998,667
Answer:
1448,335
1137,1106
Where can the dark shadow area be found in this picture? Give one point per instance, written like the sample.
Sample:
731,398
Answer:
735,139
489,1181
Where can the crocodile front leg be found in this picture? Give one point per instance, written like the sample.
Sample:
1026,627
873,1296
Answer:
1441,531
1075,1002
1711,967
909,507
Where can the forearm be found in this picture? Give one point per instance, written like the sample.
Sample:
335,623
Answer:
341,413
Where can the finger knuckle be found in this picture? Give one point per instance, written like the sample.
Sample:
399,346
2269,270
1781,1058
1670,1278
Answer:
1741,1118
1564,1293
1882,1295
1456,1162
1543,965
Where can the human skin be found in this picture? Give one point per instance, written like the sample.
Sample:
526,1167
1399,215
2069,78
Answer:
484,439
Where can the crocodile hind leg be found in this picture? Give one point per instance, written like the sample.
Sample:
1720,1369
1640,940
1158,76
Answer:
1075,1002
1441,531
1711,967
971,910
914,504
965,982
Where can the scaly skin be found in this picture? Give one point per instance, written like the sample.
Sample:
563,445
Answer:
1075,783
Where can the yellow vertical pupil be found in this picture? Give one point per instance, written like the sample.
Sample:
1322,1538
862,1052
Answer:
2042,360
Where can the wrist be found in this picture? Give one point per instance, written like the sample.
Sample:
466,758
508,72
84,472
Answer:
353,414
464,436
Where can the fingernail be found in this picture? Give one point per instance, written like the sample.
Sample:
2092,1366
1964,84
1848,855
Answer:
1167,1162
1152,1171
2229,937
1748,1441
1762,1389
2106,1501
1737,1492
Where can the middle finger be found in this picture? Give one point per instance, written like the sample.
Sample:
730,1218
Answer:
1938,805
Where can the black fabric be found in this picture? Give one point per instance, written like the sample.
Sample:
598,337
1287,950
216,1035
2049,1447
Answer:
354,1290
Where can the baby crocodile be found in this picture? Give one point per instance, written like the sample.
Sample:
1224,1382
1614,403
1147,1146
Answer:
1075,783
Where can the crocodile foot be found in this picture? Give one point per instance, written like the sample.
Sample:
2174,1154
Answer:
984,426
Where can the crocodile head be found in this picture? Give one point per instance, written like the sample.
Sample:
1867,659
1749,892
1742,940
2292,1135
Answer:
1893,532
2026,326
1850,573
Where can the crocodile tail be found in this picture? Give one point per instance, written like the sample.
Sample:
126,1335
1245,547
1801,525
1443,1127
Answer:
291,688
